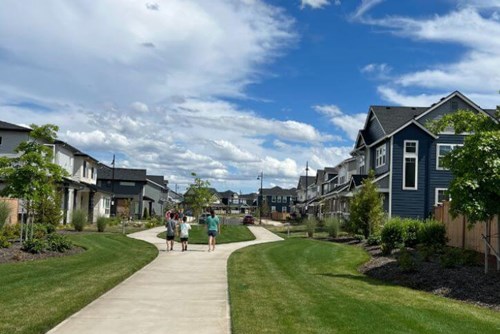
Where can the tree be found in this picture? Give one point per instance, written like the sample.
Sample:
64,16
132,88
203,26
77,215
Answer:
366,210
475,166
32,175
198,195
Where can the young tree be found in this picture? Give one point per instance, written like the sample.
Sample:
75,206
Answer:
198,196
475,187
32,175
366,210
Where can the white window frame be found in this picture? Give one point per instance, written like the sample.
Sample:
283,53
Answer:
436,192
380,155
453,146
278,199
283,209
414,156
273,208
273,199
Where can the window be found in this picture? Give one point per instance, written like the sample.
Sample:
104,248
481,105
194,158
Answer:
0,140
441,195
279,199
441,151
283,209
84,168
126,183
107,205
410,165
285,199
273,199
361,163
380,156
273,209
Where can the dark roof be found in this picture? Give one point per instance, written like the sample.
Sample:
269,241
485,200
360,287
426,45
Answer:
491,112
158,179
248,196
227,194
302,181
331,170
12,127
124,174
278,191
391,118
357,179
73,149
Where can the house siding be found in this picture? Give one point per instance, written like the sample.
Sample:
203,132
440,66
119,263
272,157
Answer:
374,129
10,140
411,203
439,178
373,155
445,109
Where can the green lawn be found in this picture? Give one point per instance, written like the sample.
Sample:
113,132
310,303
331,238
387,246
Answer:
35,296
230,233
296,231
307,286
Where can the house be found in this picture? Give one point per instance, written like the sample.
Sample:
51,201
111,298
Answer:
155,194
406,156
128,186
80,185
302,194
278,199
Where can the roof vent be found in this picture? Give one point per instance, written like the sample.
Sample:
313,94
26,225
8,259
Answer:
387,107
442,99
413,108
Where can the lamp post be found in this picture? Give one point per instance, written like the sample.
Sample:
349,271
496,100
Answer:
261,178
307,174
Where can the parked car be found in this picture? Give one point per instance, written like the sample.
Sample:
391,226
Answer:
248,219
203,218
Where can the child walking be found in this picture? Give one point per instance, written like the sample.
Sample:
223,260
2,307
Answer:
171,227
184,227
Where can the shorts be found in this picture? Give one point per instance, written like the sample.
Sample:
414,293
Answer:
184,239
212,233
170,237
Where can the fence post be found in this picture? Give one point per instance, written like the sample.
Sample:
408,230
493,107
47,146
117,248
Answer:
486,249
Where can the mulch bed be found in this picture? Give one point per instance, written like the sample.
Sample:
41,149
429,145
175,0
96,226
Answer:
466,283
15,254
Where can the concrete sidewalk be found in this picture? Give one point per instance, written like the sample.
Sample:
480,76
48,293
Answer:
178,292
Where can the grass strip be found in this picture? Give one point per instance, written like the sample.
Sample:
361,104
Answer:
35,296
307,286
229,233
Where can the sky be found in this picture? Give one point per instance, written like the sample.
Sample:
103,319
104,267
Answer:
230,89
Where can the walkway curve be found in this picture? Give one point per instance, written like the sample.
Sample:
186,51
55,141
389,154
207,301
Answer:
178,292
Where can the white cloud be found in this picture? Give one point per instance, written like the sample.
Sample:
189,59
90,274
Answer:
364,7
350,124
477,70
315,4
139,107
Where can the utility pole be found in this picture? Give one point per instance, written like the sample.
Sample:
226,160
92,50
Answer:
261,178
113,206
307,174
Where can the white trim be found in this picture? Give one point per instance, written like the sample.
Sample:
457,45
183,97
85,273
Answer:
449,97
382,156
381,177
436,190
390,178
412,156
437,153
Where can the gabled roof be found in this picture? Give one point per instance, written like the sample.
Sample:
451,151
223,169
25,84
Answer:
356,180
158,179
13,127
491,112
391,118
74,150
121,174
227,194
320,174
278,191
302,181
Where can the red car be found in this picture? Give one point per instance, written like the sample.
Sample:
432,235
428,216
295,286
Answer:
248,219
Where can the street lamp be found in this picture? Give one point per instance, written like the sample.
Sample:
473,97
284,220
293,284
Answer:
307,175
261,178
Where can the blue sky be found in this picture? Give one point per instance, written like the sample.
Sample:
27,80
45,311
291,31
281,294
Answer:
227,89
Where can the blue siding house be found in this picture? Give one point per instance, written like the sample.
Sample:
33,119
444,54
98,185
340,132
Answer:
406,156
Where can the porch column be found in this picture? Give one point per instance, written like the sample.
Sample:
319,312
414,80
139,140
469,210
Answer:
70,202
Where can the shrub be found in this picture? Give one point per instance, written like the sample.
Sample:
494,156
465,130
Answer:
35,245
145,215
410,233
311,224
432,233
113,221
79,219
4,242
359,237
39,231
4,213
101,223
392,234
451,258
373,240
386,250
10,232
427,252
58,243
342,234
150,224
332,227
406,261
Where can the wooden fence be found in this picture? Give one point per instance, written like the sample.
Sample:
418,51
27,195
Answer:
14,209
460,235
